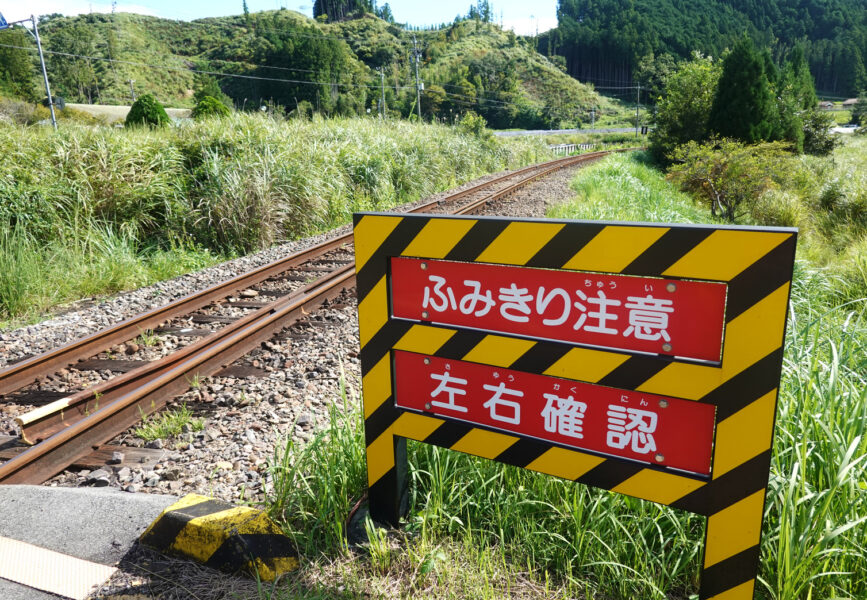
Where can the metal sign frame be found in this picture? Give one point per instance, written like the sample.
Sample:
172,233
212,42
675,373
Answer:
755,263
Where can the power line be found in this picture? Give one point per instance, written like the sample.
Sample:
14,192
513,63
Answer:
190,69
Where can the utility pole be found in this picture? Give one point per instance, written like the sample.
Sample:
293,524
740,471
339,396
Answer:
592,118
35,34
637,104
131,88
418,84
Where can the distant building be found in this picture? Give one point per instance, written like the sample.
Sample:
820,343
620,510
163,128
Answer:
850,102
826,105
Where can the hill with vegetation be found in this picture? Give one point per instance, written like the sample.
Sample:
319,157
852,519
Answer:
604,41
289,62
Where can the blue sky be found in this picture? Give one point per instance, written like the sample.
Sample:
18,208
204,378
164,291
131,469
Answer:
522,16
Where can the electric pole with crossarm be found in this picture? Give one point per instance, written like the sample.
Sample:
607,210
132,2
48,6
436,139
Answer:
35,34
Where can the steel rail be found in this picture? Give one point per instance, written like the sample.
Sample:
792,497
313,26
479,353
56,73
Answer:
166,380
72,427
27,371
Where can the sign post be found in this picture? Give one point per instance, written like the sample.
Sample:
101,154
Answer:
638,358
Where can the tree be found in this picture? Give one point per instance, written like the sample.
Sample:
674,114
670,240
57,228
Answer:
684,107
16,67
148,112
727,174
744,107
818,138
384,13
859,111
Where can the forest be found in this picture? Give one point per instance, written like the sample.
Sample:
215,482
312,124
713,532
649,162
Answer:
352,59
604,41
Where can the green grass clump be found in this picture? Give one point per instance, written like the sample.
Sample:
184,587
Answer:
480,529
624,188
147,201
168,423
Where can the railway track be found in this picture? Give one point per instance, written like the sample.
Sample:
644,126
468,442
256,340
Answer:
68,428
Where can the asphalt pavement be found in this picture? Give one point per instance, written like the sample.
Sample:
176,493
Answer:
95,524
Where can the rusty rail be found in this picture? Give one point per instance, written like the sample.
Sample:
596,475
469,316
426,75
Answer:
70,428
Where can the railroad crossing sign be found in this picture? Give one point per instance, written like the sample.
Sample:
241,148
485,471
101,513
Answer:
639,358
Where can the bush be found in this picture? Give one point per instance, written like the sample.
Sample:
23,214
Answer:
473,124
727,174
818,139
210,107
147,111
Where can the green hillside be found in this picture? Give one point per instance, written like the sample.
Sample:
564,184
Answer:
289,62
603,41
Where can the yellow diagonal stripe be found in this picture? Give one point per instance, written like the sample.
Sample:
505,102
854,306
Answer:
655,486
565,463
373,312
415,426
201,536
519,242
614,248
380,456
742,592
745,434
584,364
498,351
749,338
377,385
486,444
424,339
380,452
187,501
369,234
438,237
724,254
734,529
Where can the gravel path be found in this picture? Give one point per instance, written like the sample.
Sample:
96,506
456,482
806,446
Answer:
243,420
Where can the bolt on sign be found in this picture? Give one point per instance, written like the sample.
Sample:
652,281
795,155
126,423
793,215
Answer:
639,358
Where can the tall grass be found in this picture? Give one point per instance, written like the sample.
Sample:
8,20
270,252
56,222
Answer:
225,186
578,542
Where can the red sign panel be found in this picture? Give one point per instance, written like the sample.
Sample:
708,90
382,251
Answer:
645,427
620,312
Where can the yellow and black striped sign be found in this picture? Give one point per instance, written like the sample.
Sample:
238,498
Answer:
755,263
222,536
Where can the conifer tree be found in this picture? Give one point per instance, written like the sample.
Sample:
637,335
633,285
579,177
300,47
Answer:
744,106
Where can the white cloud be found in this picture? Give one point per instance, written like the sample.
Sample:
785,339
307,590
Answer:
528,26
68,8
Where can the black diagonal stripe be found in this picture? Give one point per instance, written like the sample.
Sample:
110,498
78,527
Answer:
730,573
747,386
540,357
634,372
387,497
610,473
375,267
523,452
380,344
564,245
380,420
667,250
742,481
448,434
234,553
477,239
760,279
167,528
460,344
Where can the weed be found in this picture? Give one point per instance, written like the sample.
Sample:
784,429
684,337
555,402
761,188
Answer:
168,423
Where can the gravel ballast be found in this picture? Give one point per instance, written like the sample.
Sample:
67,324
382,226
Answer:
239,421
